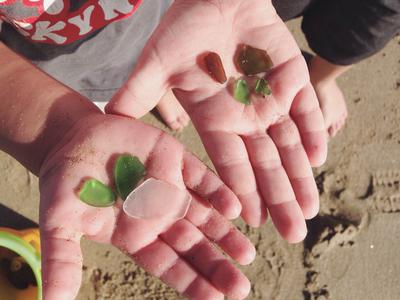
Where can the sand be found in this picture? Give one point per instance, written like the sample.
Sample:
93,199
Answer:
352,249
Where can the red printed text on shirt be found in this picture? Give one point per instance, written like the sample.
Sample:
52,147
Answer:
52,21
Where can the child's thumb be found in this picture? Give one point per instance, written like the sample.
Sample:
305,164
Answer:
61,265
142,91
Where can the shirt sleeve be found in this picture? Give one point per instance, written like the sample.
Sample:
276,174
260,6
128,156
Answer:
346,31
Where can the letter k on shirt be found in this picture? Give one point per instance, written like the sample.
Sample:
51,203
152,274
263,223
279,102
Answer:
55,22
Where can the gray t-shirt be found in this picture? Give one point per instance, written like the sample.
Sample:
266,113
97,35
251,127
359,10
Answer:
97,65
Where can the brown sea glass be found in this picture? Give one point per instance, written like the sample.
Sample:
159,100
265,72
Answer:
253,61
214,67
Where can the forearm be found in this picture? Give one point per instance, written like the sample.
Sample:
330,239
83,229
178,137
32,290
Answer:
36,111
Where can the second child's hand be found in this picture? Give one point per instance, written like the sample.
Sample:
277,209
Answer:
263,151
181,253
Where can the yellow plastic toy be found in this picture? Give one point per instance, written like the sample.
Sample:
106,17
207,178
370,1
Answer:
25,243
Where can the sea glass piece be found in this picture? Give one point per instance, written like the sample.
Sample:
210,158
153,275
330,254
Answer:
156,199
128,171
253,61
95,193
241,91
262,87
215,68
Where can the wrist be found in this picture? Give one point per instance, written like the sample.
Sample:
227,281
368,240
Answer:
35,110
61,123
33,144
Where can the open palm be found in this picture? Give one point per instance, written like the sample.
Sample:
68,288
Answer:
262,151
178,252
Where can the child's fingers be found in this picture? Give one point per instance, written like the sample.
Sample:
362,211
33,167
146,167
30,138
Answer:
308,117
275,187
191,244
202,289
207,185
139,239
144,88
219,230
61,264
297,165
229,155
162,261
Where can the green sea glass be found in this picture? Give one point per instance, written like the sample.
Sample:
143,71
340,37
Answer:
128,171
262,87
95,193
242,92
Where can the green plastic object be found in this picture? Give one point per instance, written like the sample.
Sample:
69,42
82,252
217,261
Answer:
97,194
242,92
263,88
28,252
128,172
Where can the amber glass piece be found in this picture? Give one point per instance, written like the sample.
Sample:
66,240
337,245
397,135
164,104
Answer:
252,61
214,67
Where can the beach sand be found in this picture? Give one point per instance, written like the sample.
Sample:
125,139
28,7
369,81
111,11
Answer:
352,249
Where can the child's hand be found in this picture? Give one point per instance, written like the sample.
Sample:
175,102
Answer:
263,151
181,254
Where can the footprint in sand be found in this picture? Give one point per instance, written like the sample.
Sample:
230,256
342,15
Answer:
326,233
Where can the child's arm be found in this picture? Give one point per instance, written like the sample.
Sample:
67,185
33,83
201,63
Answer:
61,136
35,110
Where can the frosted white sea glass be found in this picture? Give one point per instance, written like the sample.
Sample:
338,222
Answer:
157,199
